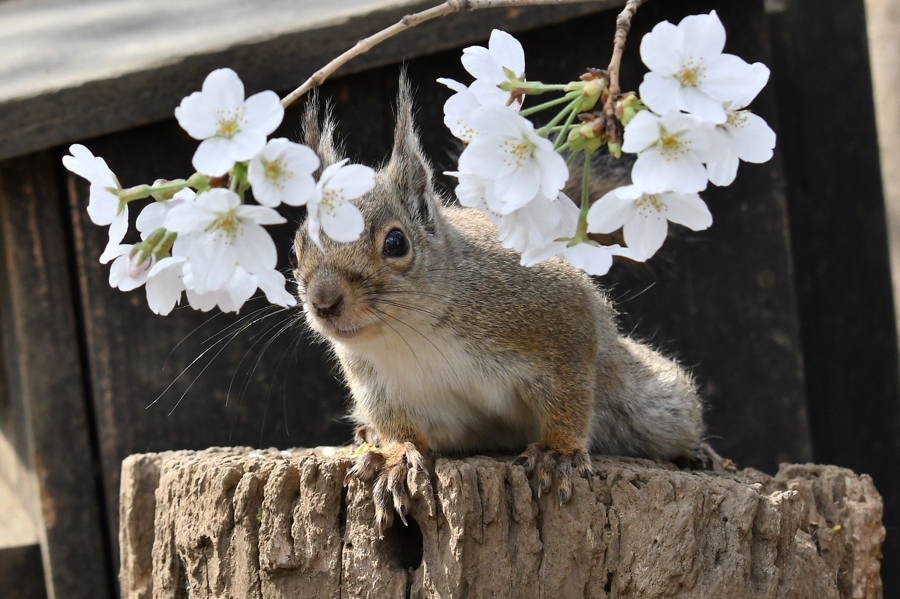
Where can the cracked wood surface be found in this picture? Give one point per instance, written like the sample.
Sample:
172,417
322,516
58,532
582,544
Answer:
267,524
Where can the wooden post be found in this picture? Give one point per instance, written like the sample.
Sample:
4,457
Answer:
270,524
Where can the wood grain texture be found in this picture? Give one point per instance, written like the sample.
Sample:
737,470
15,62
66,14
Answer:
43,367
839,239
77,70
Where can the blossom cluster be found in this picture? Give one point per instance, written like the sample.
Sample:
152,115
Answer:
689,127
200,237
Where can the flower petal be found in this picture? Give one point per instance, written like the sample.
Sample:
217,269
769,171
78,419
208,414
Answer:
272,284
343,223
659,92
592,259
261,215
263,112
661,49
645,233
704,36
480,63
641,133
723,171
351,181
165,284
223,90
687,209
728,78
255,251
507,51
245,144
610,212
654,174
117,231
693,100
753,139
212,157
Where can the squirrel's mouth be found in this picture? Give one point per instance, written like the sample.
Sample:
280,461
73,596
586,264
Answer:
339,330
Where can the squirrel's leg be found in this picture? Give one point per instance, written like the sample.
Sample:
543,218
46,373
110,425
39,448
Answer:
403,448
565,411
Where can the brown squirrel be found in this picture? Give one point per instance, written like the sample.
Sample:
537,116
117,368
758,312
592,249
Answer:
447,344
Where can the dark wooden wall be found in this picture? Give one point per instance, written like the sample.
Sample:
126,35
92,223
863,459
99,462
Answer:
782,309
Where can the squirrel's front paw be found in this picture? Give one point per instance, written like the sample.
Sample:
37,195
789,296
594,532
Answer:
388,467
551,463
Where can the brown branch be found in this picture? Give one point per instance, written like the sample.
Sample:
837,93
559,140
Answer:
448,7
623,25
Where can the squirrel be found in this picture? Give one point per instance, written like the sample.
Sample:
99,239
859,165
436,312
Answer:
448,344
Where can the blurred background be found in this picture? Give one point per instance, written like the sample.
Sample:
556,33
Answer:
784,309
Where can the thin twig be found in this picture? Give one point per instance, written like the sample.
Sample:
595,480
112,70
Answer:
623,25
448,7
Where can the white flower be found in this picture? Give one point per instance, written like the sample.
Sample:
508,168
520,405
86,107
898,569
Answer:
229,297
126,272
671,152
153,216
743,136
509,152
491,66
531,229
688,70
217,233
644,217
165,283
458,110
330,208
233,129
282,173
593,259
103,205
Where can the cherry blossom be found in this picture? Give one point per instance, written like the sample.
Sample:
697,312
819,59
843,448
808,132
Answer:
330,206
165,282
217,233
503,60
282,173
509,152
104,206
232,129
743,136
153,216
688,70
458,110
593,258
644,218
671,151
229,297
129,272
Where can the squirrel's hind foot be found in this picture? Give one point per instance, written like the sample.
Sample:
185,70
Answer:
703,457
388,467
549,464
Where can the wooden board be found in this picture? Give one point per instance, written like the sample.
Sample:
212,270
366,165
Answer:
77,70
839,237
44,370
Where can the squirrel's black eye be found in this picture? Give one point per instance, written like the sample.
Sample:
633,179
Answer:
395,244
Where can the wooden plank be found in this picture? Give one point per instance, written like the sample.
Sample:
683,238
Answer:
44,371
839,236
59,80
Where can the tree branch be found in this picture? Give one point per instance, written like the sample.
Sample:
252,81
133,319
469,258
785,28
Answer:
623,25
448,7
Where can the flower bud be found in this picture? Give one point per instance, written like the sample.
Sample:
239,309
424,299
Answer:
615,149
138,261
627,107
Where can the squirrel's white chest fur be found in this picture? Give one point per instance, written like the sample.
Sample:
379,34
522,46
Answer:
461,401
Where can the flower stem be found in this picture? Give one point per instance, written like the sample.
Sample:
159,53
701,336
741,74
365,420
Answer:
581,234
557,143
567,98
570,108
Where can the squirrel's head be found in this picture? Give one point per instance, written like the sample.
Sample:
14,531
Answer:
385,280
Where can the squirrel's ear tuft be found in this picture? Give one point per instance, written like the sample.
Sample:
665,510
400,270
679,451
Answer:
320,137
408,168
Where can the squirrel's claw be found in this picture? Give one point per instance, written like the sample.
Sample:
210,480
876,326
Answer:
388,467
549,464
366,467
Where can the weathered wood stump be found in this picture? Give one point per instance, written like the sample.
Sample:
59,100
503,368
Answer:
267,524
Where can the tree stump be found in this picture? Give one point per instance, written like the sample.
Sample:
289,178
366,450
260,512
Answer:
251,524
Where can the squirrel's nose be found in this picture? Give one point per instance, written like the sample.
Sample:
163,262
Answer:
327,300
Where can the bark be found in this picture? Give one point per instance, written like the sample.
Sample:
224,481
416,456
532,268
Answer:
267,524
